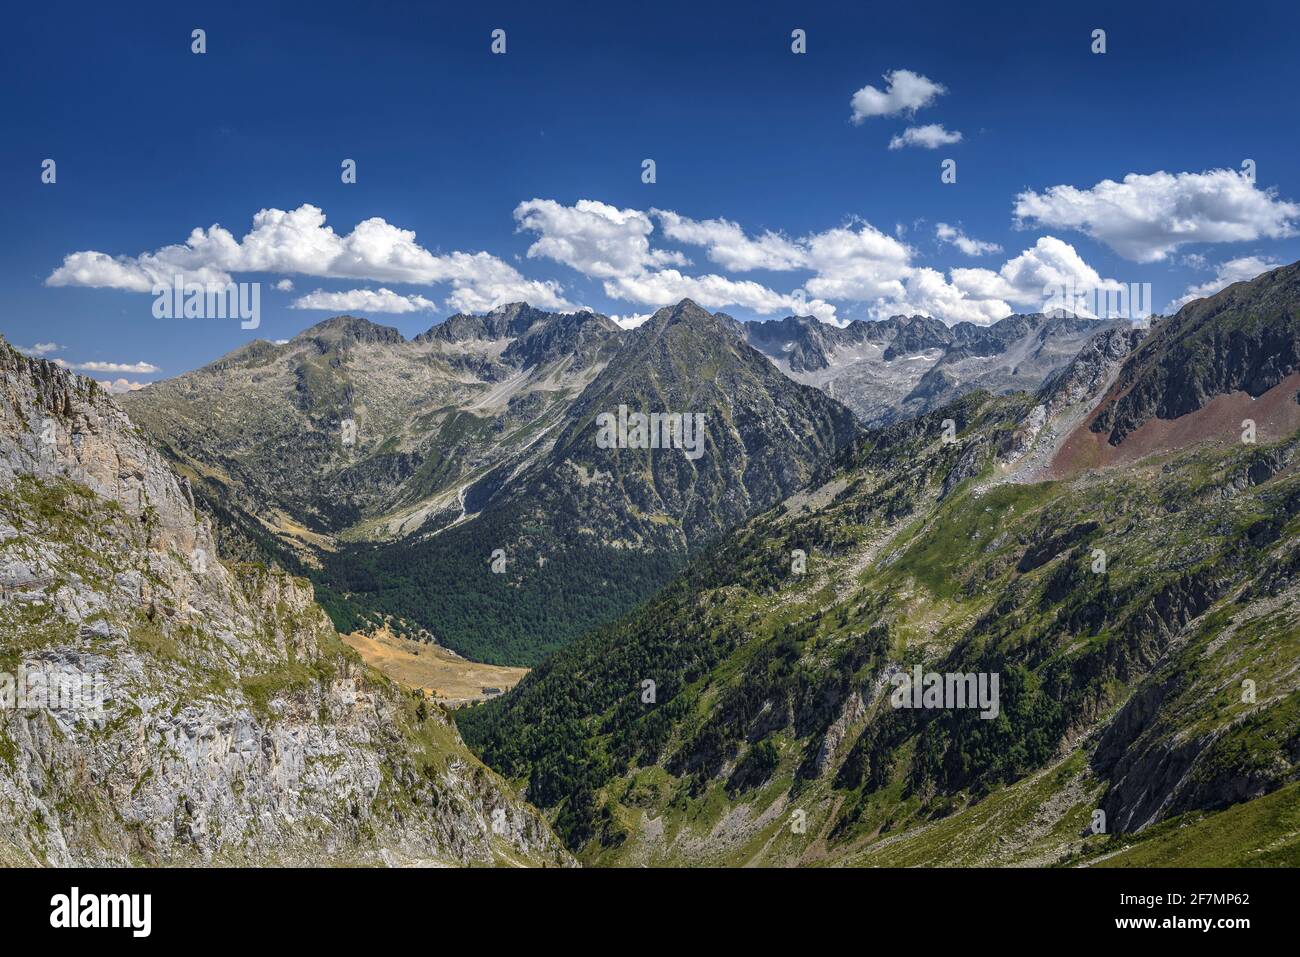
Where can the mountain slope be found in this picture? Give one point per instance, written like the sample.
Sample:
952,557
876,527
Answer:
348,430
475,439
1142,619
235,727
585,532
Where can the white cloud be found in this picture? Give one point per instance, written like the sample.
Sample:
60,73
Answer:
729,247
41,348
363,300
859,263
855,262
904,91
298,242
485,294
118,386
137,368
982,296
667,286
849,262
1149,216
101,271
927,293
862,264
1025,279
613,245
1234,270
931,136
592,237
285,285
631,321
954,236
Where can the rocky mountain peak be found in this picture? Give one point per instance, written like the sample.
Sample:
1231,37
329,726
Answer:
56,425
347,329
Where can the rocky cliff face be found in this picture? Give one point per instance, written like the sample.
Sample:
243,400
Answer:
227,722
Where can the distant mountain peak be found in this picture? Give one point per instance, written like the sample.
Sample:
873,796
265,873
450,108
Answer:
507,321
689,314
351,328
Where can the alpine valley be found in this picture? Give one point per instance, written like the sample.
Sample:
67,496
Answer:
1104,517
1120,546
391,471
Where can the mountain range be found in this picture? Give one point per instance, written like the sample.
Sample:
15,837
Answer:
392,472
1120,548
906,365
1095,523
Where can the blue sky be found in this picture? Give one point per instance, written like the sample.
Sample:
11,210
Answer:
520,175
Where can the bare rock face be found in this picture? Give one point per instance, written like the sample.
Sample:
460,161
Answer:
905,366
57,425
854,708
1092,369
220,718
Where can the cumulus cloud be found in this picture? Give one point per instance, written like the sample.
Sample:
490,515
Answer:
134,274
848,262
285,285
1234,270
1149,216
930,137
41,348
859,263
904,91
136,368
1023,280
667,286
926,292
1045,272
486,294
856,262
954,236
729,246
299,242
118,386
363,300
631,321
613,245
592,237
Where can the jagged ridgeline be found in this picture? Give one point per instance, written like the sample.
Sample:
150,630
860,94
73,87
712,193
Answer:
1121,548
392,471
476,500
586,532
904,366
208,712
